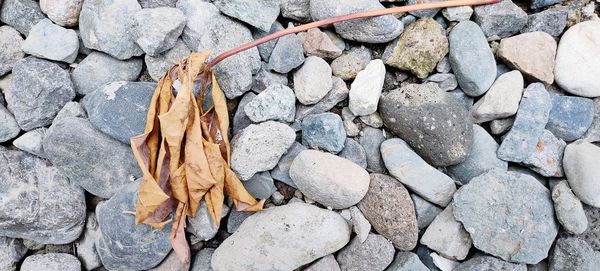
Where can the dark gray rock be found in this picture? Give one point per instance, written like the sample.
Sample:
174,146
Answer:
261,185
424,254
260,14
570,117
119,109
488,263
573,254
10,48
71,109
526,229
21,14
9,128
158,65
240,119
324,131
51,262
338,93
434,123
592,234
201,261
38,203
375,253
372,30
98,69
91,159
265,49
287,54
156,30
235,220
471,58
157,3
407,261
370,139
547,157
53,42
354,152
38,90
11,252
502,19
122,245
276,102
281,172
552,21
532,116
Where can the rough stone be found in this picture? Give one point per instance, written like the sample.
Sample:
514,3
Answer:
71,109
11,252
376,253
158,65
156,30
573,254
547,156
260,14
501,19
85,245
98,69
552,21
261,185
500,126
281,172
157,3
265,78
201,261
568,208
62,12
298,10
570,117
447,236
366,89
457,14
425,211
590,235
324,131
327,263
489,263
172,263
10,48
354,152
21,14
536,4
9,128
351,62
31,142
579,163
50,41
370,139
501,100
407,261
276,102
202,225
51,262
287,54
318,43
312,81
338,93
531,53
199,14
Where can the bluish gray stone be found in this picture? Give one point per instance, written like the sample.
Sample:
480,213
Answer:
122,244
53,42
281,172
240,119
261,185
573,254
593,133
339,92
89,158
98,69
547,157
276,102
526,228
324,131
287,54
156,30
158,65
481,159
51,262
370,139
38,202
570,117
9,128
529,124
21,14
471,58
235,220
425,210
407,261
10,48
488,263
260,14
31,142
264,78
354,152
266,48
552,21
119,109
202,260
502,19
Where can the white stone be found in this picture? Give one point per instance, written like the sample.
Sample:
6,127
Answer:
580,163
502,100
312,81
447,236
366,89
442,263
50,41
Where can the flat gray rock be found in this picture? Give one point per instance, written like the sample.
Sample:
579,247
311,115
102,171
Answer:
10,48
265,78
156,30
570,117
260,14
281,172
573,254
425,210
202,225
287,54
501,19
71,109
276,102
370,139
236,219
265,49
98,69
85,245
21,14
488,263
9,128
579,163
89,158
501,100
202,260
53,42
552,21
447,236
324,131
526,229
568,208
593,133
240,119
375,253
158,65
261,185
547,157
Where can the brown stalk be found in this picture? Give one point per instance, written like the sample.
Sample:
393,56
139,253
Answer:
337,19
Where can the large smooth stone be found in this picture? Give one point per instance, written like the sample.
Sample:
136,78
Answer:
580,163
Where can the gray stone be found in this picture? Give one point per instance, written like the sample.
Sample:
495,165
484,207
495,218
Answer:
593,133
447,236
552,21
276,102
501,100
38,90
471,58
157,3
287,54
312,81
535,4
122,245
74,146
338,93
532,116
236,219
446,81
258,147
106,25
71,109
261,185
85,245
202,260
156,30
98,69
199,14
318,43
389,209
591,234
376,253
366,89
9,128
265,49
579,42
172,263
260,14
50,41
31,142
426,256
425,211
11,252
38,203
501,19
423,13
298,10
570,117
371,30
531,53
526,229
292,229
354,152
573,254
360,224
158,65
281,172
457,14
119,109
10,48
579,163
240,119
500,126
327,263
444,65
488,263
265,78
328,179
324,131
370,139
568,208
351,62
51,262
202,225
407,261
21,14
547,157
62,12
374,120
481,159
433,122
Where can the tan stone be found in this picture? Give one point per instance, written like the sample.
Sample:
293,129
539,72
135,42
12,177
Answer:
531,53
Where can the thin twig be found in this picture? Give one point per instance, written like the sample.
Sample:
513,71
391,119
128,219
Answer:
337,19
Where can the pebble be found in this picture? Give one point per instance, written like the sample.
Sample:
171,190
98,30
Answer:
50,41
593,133
552,21
261,185
199,15
122,245
119,109
502,19
240,119
158,65
374,120
106,26
281,172
258,147
354,152
292,230
447,236
10,48
202,225
38,90
351,128
370,139
9,128
324,131
317,43
425,211
351,62
62,12
328,179
407,261
481,159
573,254
276,102
583,176
389,209
312,81
172,263
366,89
11,252
531,53
526,230
98,69
73,145
51,262
441,263
156,30
471,58
457,14
570,117
375,253
327,263
85,245
260,14
31,142
568,208
287,54
298,10
532,116
501,100
21,14
338,93
489,263
579,42
202,259
444,65
434,123
547,157
265,78
419,48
